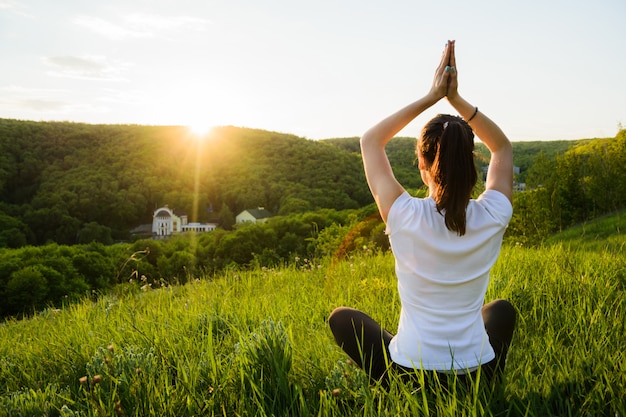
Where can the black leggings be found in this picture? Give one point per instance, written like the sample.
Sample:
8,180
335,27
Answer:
367,343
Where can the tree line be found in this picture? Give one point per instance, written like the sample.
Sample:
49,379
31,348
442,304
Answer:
35,277
584,182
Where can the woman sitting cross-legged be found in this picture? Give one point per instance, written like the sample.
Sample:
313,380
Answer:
444,245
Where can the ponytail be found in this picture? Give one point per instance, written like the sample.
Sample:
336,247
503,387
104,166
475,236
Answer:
447,144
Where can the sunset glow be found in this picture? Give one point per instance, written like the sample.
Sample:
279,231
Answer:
201,129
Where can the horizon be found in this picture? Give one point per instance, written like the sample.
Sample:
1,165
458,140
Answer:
207,133
318,71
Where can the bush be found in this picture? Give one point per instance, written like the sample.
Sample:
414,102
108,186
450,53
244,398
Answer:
27,288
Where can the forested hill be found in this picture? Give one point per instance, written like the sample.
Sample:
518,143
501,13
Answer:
66,182
401,153
58,177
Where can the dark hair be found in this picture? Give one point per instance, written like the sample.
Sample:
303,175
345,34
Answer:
447,146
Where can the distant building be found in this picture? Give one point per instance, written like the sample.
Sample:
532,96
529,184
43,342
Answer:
166,222
257,215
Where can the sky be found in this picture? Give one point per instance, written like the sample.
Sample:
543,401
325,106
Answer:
542,69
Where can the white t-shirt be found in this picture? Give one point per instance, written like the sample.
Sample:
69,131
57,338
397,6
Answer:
442,280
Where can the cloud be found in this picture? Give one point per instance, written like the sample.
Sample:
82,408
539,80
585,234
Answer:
14,7
8,4
42,105
86,67
20,102
108,29
39,100
138,25
153,23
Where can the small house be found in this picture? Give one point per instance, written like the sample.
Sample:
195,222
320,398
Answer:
257,215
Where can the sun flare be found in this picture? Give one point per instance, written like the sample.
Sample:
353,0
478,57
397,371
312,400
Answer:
200,128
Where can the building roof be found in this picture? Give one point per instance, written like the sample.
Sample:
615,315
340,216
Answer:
142,229
162,213
259,213
166,211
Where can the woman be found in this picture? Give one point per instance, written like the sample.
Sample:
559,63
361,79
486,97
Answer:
444,245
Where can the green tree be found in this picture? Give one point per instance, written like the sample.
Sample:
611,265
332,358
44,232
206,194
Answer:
12,232
27,289
95,267
293,205
227,218
541,172
177,268
533,220
94,232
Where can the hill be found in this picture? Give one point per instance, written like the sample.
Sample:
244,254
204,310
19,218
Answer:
55,178
602,233
67,182
401,153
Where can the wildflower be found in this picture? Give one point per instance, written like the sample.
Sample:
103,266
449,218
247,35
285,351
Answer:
83,380
118,408
138,371
96,379
111,348
336,392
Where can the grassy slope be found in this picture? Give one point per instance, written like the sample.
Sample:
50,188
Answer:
200,349
601,233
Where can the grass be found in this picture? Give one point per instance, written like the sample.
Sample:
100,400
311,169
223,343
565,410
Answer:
251,343
596,235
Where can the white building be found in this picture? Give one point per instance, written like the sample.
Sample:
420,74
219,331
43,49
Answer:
199,227
166,222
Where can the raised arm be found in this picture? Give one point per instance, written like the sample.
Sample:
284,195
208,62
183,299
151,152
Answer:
383,184
500,173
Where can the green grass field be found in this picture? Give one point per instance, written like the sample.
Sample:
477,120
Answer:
256,342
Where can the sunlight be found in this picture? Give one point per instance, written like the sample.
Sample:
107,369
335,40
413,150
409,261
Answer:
200,128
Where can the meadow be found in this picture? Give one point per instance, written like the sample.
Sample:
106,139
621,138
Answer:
256,342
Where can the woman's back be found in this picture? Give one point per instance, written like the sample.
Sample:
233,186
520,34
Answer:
442,279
